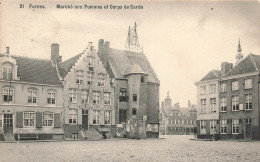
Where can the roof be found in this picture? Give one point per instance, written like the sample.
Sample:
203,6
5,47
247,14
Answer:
34,70
65,66
134,69
120,60
249,64
213,74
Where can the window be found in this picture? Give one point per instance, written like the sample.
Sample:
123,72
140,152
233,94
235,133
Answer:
212,88
213,126
248,83
101,79
213,104
235,124
235,86
47,119
223,126
203,126
32,96
90,77
223,87
96,97
7,71
202,90
73,116
1,120
223,104
84,96
248,102
74,136
51,98
107,117
134,111
134,97
235,105
122,95
96,116
142,79
203,105
91,61
248,121
8,95
73,95
122,115
107,98
28,119
79,76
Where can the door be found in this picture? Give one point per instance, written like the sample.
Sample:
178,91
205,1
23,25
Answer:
85,119
248,131
8,123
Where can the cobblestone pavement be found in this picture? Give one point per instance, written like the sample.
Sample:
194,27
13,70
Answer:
171,148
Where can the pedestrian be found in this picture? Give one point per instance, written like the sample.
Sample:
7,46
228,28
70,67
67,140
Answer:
195,132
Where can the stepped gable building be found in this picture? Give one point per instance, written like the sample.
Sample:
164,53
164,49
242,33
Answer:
31,99
88,96
178,120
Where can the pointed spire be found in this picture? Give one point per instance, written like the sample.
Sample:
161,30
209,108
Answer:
239,47
239,55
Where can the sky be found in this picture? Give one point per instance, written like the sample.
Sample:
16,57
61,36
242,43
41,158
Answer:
183,41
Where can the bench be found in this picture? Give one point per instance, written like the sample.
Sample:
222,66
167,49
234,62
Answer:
27,136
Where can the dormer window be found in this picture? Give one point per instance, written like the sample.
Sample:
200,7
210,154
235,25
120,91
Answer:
7,70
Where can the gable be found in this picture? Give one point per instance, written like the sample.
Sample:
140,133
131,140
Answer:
214,74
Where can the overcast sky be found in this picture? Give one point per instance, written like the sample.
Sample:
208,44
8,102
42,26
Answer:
182,40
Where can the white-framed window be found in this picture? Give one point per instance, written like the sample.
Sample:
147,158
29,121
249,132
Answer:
248,102
51,98
203,105
79,76
32,96
248,83
1,120
213,104
84,95
7,71
96,97
202,90
223,87
73,116
47,119
107,117
29,119
91,61
101,79
223,126
213,126
90,77
212,88
73,96
235,86
248,121
235,126
235,103
223,104
203,126
8,94
107,98
96,116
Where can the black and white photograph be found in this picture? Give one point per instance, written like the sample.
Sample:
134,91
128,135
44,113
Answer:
100,80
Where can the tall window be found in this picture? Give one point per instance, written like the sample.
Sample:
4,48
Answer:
73,95
107,117
84,95
79,76
91,61
8,95
107,98
122,95
32,96
96,97
7,71
213,126
142,79
1,120
203,126
223,126
212,88
248,83
235,104
249,102
73,116
96,116
47,119
235,126
235,86
29,119
134,97
122,115
203,105
213,104
51,98
101,79
202,90
223,104
134,111
90,77
223,87
248,121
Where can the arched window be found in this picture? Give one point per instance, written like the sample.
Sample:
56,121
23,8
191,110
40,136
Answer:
32,95
7,71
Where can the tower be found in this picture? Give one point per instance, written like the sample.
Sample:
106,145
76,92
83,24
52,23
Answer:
132,42
239,55
168,100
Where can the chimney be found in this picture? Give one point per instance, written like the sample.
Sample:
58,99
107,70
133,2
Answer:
90,46
55,58
100,44
225,67
7,51
103,51
189,103
107,44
